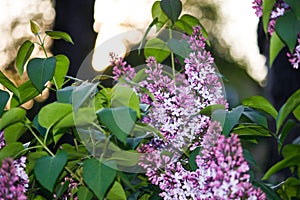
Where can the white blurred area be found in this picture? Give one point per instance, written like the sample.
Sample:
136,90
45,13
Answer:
15,27
239,31
113,17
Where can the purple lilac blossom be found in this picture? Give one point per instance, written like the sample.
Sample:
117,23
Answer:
121,68
2,142
13,180
295,57
174,112
278,10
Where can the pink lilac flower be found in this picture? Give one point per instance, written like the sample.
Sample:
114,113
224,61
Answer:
257,5
2,142
69,193
121,68
295,57
13,180
223,158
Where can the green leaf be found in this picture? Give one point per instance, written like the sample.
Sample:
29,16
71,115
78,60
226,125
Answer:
208,110
4,97
267,9
48,168
98,176
157,48
154,22
53,113
276,44
288,27
65,95
261,104
116,192
180,48
172,8
158,14
295,5
291,149
290,105
286,129
84,193
34,27
9,85
61,70
120,121
232,118
125,96
126,158
290,189
192,158
14,131
251,130
27,92
12,116
256,117
83,93
40,71
11,150
292,160
23,54
187,22
32,158
59,35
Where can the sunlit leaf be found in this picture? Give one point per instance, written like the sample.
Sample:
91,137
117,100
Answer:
12,116
60,35
262,104
157,48
11,150
23,54
116,192
267,9
290,105
61,70
34,27
158,14
9,85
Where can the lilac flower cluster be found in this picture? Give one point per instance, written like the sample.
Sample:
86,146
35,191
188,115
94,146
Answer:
174,111
121,68
13,180
294,58
279,8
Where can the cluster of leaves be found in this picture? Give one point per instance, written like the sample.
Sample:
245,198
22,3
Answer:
104,123
286,29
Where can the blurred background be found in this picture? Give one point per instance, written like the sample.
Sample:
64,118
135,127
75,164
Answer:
232,27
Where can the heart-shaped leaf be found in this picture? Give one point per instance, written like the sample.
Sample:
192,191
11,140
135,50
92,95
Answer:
23,55
172,8
11,150
158,14
4,97
116,192
98,176
288,27
48,168
40,71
